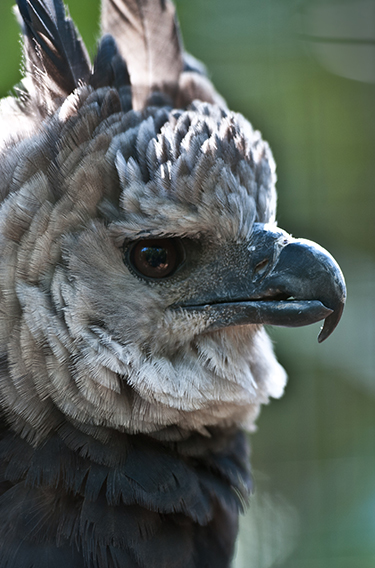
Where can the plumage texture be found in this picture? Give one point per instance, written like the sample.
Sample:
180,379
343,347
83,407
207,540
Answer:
121,415
56,60
148,38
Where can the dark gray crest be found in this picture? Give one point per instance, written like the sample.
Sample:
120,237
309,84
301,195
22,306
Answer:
56,59
140,48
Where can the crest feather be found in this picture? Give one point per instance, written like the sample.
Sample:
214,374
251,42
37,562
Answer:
56,59
147,36
109,67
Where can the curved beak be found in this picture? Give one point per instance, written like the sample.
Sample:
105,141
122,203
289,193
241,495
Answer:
310,277
282,281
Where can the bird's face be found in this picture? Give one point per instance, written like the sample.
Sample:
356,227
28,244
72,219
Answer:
145,247
145,257
139,340
163,260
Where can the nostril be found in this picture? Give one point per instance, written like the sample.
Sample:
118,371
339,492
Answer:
261,267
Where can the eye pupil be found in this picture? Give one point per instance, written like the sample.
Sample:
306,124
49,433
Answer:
156,258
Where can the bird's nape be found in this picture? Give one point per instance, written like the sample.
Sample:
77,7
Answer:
140,257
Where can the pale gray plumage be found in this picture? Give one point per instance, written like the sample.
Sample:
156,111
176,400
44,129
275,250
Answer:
101,361
90,282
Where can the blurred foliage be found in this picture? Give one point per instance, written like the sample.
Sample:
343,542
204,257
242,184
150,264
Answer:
314,454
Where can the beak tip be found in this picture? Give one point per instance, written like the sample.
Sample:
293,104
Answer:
322,337
330,323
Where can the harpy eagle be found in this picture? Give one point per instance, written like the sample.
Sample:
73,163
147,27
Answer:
139,259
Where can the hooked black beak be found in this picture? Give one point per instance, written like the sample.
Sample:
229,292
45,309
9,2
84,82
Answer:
282,281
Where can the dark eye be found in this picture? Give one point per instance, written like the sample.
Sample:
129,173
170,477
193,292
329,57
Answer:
156,258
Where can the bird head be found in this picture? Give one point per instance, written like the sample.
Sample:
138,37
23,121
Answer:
141,251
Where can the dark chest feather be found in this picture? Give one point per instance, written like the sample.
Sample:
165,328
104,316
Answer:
133,502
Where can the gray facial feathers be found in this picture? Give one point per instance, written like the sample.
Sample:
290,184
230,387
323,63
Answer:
102,182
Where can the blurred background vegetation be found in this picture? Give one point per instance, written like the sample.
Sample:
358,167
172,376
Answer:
303,72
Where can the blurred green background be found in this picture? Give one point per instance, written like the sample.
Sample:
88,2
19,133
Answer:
303,72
